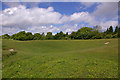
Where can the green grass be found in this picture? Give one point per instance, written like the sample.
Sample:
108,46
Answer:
61,59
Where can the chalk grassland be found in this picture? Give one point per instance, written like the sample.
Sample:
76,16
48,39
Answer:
60,59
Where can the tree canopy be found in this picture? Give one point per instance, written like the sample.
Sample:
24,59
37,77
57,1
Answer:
83,33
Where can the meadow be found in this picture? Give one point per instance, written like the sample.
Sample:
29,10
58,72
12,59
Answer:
60,59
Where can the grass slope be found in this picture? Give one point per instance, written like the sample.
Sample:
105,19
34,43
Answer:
61,59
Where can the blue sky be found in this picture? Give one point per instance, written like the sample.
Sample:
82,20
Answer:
66,8
57,16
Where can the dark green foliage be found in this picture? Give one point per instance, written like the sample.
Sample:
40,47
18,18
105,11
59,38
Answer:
73,35
43,36
22,36
116,30
109,36
13,36
49,36
66,36
5,36
29,36
37,36
59,36
110,30
83,33
119,32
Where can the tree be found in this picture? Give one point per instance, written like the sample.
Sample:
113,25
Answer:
29,36
37,36
110,30
84,33
56,36
12,36
66,33
96,35
5,36
43,36
73,35
119,31
66,36
49,36
20,36
59,36
21,33
97,28
116,30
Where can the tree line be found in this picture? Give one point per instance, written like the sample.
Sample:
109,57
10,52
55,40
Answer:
83,33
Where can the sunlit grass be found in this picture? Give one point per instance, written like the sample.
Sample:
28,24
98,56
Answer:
61,59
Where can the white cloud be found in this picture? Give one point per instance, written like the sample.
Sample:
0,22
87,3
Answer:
11,4
30,4
54,29
61,0
44,29
88,4
42,19
107,24
106,10
64,19
83,17
70,27
8,30
34,16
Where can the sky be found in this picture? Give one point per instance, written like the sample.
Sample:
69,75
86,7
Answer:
38,17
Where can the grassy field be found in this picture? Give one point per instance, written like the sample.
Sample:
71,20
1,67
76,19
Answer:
60,59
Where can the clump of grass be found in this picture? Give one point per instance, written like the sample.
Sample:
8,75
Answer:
13,52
